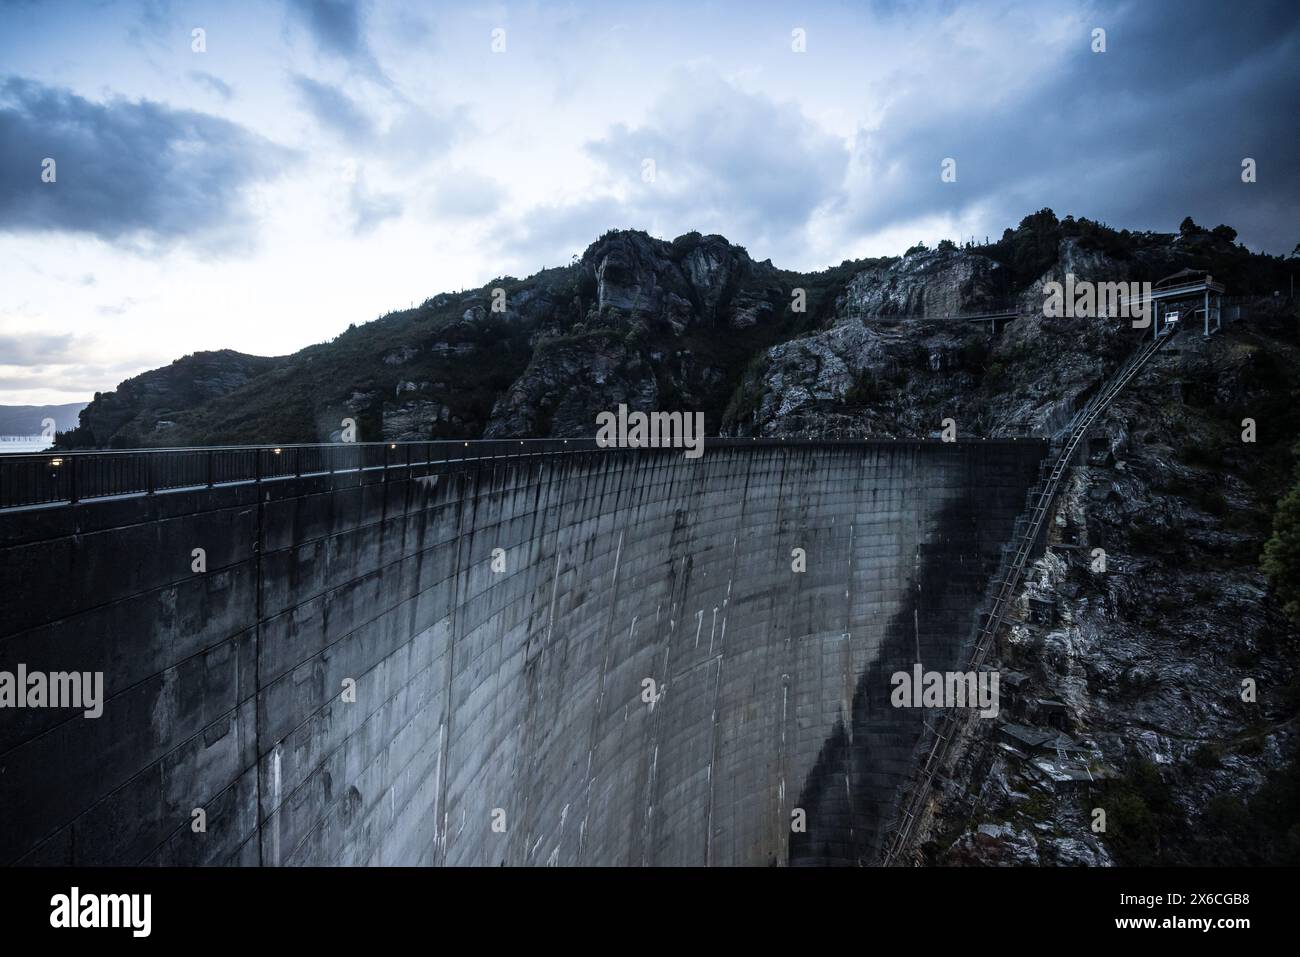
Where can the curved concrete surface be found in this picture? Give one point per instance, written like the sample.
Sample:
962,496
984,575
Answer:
500,712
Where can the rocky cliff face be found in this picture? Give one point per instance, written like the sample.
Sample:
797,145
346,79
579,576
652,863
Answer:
877,370
1168,664
653,327
925,283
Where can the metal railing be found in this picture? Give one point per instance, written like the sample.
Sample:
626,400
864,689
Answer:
1028,528
30,479
997,310
43,478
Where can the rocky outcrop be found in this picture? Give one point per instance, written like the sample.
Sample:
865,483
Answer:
656,334
567,383
867,377
694,281
140,410
927,283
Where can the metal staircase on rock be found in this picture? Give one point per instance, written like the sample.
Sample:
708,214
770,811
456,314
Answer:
1027,532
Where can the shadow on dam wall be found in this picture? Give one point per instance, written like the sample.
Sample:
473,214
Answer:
451,666
849,795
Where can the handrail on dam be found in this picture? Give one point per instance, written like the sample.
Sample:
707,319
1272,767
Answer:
30,479
1005,584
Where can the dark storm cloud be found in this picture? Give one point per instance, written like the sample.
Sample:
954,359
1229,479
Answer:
337,27
1151,130
333,108
125,169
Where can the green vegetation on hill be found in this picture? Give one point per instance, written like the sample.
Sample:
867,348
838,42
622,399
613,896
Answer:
1281,559
1145,827
1031,248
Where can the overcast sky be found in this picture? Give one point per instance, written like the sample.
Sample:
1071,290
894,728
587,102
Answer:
322,162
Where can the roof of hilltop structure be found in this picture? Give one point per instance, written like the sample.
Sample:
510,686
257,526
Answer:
1183,277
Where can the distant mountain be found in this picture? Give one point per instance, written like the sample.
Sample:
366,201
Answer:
691,324
26,419
140,411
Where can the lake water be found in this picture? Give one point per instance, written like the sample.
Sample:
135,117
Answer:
23,443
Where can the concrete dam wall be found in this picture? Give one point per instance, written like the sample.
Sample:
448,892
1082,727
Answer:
448,665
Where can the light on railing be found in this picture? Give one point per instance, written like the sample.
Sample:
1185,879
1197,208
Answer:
56,462
393,446
276,451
